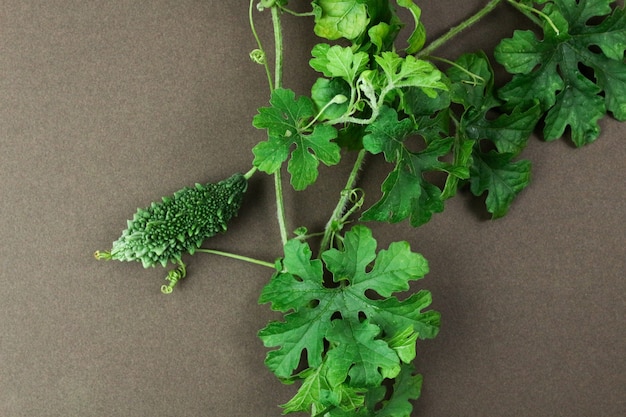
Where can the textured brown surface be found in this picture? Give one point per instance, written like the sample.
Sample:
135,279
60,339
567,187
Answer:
106,106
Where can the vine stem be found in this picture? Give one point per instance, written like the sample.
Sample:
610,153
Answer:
459,28
239,257
343,201
278,80
278,44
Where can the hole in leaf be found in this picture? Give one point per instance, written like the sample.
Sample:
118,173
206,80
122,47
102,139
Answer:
329,281
586,71
373,295
415,144
595,49
362,317
437,178
595,20
387,384
303,363
336,316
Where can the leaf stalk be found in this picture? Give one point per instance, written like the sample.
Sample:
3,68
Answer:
238,257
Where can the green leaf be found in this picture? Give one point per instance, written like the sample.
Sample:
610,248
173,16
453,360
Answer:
324,91
340,19
462,157
406,193
472,87
494,173
471,79
406,388
409,72
509,132
382,36
418,104
418,36
313,391
336,61
357,354
286,123
299,288
404,344
552,70
387,134
316,392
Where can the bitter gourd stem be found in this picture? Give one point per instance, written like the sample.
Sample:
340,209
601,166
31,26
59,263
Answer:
239,257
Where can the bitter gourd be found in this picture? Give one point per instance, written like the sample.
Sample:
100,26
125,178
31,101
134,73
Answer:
165,230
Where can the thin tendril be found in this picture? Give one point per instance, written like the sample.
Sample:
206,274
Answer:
260,46
335,221
475,77
523,7
173,277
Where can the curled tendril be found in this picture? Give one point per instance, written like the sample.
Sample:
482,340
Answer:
356,197
173,277
265,4
102,255
257,56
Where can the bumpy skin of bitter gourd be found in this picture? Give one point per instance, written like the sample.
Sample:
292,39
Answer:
180,223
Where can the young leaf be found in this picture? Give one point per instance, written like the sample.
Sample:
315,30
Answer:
418,36
389,401
325,90
340,19
409,72
336,61
382,35
286,122
550,70
502,179
315,392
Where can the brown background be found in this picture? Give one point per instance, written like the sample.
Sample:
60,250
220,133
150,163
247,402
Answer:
108,105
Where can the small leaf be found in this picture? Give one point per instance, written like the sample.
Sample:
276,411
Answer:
340,19
286,122
324,91
410,72
502,179
336,61
382,35
404,344
418,36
